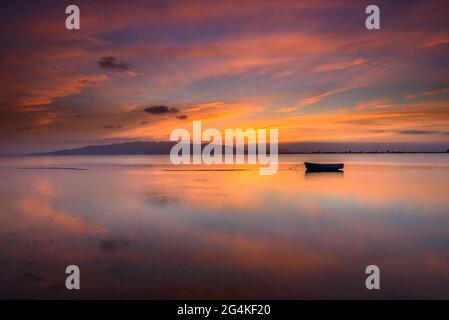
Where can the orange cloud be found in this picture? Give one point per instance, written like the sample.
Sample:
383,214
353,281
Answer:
437,40
316,98
339,65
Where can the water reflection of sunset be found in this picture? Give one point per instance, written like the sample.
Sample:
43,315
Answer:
141,231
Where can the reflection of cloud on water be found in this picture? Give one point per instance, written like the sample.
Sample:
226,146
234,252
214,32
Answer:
161,199
225,234
33,278
113,245
35,208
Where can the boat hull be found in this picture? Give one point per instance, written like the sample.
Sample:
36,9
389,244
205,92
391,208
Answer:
323,167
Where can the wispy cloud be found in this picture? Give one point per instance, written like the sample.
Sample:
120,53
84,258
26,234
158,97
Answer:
419,132
427,93
339,65
438,39
315,98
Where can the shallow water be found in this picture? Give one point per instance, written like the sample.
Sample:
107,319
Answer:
137,230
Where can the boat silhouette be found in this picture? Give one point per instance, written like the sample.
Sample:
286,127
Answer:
323,167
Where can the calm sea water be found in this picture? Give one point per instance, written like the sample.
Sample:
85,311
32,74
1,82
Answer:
139,231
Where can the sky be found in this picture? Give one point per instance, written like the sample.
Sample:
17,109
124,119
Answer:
136,70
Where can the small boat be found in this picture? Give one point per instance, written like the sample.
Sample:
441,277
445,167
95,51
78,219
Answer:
323,167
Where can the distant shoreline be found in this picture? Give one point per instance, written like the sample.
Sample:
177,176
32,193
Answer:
367,152
165,147
280,153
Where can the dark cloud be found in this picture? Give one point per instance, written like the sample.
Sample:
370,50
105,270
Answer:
114,245
161,110
111,63
360,122
418,132
182,116
111,126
